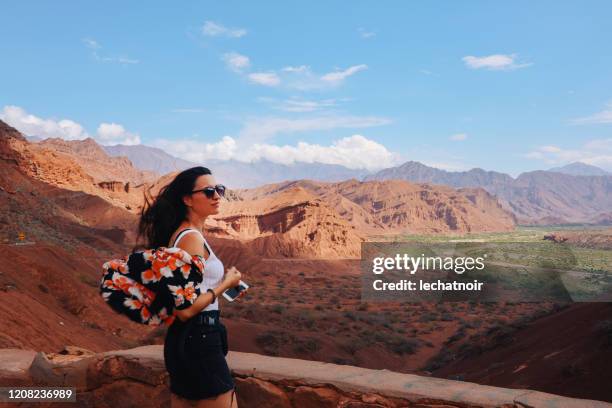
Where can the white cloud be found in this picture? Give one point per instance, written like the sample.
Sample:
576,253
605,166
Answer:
601,145
605,116
597,152
94,46
495,62
264,78
458,137
31,125
236,62
300,68
354,152
365,33
298,77
259,129
113,133
197,151
303,78
299,104
212,29
123,60
550,149
91,43
339,76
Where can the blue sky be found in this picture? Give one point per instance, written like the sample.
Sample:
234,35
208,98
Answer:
512,86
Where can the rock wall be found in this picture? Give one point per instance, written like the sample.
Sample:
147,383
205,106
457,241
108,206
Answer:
137,377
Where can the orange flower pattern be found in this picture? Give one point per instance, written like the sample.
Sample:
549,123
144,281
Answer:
149,286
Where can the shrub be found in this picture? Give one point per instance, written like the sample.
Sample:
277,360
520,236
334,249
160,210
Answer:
269,341
307,345
428,317
401,345
446,317
444,357
350,315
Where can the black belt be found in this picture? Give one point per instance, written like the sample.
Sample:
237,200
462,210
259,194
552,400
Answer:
207,318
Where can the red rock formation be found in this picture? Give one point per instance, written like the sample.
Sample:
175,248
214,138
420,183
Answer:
599,238
93,159
394,206
292,223
48,287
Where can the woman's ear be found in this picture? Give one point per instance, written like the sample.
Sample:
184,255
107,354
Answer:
187,199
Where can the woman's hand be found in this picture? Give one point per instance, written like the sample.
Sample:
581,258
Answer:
232,277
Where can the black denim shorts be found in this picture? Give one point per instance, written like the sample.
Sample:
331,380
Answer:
195,359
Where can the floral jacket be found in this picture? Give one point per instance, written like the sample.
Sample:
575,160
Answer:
149,286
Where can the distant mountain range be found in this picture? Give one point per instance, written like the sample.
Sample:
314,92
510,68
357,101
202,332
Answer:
149,158
575,193
536,197
420,173
581,169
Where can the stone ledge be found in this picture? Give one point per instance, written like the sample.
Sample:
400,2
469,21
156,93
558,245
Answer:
410,387
137,376
15,367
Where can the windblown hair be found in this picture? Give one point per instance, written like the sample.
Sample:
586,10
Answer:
162,215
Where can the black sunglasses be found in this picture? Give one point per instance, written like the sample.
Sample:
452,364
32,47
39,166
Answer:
210,191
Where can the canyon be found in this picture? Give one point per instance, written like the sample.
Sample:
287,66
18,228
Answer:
295,242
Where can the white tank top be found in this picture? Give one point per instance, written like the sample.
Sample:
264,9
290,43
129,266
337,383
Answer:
213,269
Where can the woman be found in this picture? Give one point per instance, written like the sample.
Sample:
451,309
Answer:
196,343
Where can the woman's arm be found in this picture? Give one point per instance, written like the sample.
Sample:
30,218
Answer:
201,302
194,245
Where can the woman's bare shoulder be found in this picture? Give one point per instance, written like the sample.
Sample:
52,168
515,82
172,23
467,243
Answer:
193,243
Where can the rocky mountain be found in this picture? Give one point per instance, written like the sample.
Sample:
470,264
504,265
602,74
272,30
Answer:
305,218
48,284
81,168
419,173
541,196
395,206
45,191
537,197
313,219
234,173
576,193
581,169
291,223
97,163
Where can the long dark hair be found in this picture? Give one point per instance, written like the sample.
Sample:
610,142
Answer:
161,216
